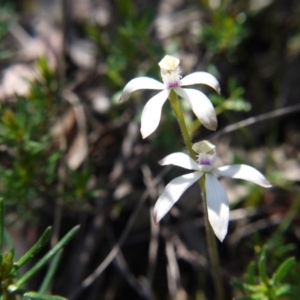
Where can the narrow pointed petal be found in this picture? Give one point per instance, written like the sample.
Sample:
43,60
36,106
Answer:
152,112
140,83
217,206
172,193
181,160
243,172
202,78
201,106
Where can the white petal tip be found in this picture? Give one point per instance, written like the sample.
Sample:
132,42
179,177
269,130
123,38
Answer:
157,215
144,134
162,162
156,220
121,99
220,233
212,125
267,184
221,238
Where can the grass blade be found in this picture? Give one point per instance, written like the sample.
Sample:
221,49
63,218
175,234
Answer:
34,249
37,296
50,273
47,257
283,269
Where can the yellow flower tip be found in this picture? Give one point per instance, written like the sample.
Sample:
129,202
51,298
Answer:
204,147
169,63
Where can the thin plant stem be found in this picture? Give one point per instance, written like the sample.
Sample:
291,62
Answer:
211,245
211,241
1,224
175,104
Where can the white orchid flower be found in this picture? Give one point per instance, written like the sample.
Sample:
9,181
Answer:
170,72
217,201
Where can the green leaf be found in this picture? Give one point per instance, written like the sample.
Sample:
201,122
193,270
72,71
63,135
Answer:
237,284
255,288
34,249
262,267
7,263
8,240
10,120
282,270
37,296
50,273
284,290
259,297
250,274
237,105
47,257
254,297
13,289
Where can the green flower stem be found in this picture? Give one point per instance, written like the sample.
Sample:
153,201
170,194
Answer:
212,246
211,241
175,104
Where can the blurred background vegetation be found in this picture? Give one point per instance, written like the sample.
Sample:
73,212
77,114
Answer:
71,154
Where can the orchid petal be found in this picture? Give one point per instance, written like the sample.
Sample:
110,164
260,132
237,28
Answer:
217,206
201,78
243,172
140,83
172,193
201,106
152,112
181,160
